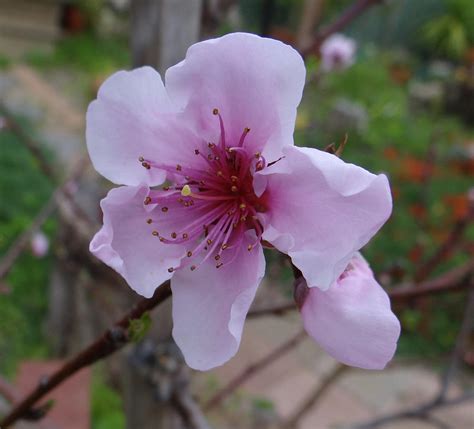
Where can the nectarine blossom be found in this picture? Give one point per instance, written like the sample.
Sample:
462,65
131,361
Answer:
210,172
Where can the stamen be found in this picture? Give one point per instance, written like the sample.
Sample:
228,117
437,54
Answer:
170,269
164,209
186,191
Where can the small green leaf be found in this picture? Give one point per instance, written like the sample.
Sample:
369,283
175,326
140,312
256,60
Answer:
139,327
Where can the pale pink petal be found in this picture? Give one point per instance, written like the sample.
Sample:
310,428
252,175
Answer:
39,244
133,117
352,320
322,210
125,242
253,81
210,306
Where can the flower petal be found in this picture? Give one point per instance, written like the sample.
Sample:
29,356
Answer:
352,320
133,117
210,306
125,242
253,81
322,210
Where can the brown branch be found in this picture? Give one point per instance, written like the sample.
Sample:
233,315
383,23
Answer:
349,15
252,369
419,412
32,145
189,410
23,240
112,340
314,397
447,247
453,280
440,400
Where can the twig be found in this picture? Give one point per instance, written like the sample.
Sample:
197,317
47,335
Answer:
452,280
421,412
31,144
314,397
417,412
459,347
252,369
23,240
112,340
451,242
349,15
189,410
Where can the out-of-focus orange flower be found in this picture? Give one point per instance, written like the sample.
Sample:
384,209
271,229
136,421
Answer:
458,205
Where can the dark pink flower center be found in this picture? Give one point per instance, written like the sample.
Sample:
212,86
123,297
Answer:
211,207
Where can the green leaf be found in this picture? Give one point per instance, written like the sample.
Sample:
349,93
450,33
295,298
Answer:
139,327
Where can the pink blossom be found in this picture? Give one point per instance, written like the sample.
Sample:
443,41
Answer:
352,320
220,134
337,52
39,244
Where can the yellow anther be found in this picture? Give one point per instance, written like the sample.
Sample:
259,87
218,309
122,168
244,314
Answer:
155,233
219,265
234,188
247,129
209,241
224,246
186,191
217,257
166,188
257,155
242,206
174,235
162,239
234,178
146,165
189,254
185,236
147,200
249,247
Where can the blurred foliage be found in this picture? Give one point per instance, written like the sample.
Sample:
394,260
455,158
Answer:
107,406
85,53
452,33
24,190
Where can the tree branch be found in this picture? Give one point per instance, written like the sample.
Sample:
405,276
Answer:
252,369
23,240
349,15
453,280
314,397
112,340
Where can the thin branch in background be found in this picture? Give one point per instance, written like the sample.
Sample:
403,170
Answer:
449,245
349,15
109,342
314,397
23,240
253,369
32,145
421,412
189,410
454,280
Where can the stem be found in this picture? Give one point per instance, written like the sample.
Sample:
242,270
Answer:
109,342
252,369
351,13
